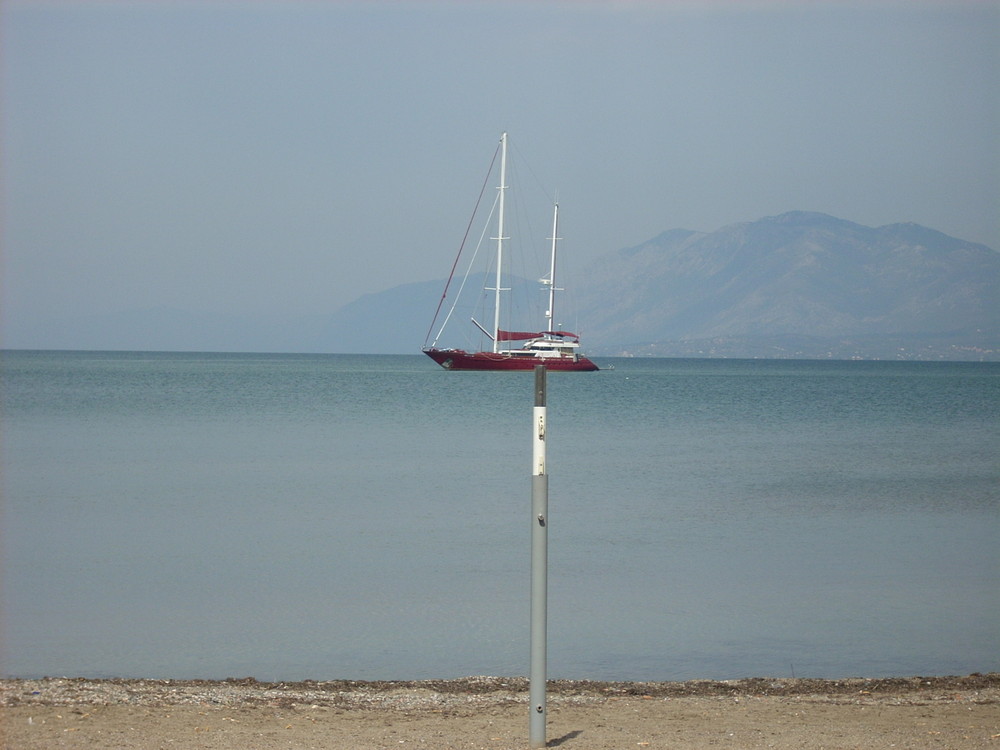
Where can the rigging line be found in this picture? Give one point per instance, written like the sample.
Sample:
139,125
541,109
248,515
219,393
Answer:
468,228
522,159
468,270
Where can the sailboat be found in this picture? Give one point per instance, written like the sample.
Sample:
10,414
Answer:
554,348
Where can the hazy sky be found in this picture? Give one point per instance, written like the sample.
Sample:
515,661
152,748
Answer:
287,157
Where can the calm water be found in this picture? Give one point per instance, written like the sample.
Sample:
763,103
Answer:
291,517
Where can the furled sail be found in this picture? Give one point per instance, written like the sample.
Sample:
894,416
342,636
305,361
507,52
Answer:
516,335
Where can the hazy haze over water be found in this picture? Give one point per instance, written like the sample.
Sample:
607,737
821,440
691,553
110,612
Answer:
272,160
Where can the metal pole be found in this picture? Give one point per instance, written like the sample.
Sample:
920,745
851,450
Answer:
539,566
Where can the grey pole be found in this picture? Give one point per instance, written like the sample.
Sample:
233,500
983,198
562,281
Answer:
539,565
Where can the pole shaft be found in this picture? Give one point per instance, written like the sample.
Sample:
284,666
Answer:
539,567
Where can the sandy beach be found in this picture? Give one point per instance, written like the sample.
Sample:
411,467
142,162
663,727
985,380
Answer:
491,713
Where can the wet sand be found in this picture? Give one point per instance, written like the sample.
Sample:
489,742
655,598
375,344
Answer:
492,712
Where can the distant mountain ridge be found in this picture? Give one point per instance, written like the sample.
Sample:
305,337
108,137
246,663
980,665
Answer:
801,275
800,284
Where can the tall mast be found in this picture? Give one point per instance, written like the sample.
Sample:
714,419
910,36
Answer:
500,238
551,281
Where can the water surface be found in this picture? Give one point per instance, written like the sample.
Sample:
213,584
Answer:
368,517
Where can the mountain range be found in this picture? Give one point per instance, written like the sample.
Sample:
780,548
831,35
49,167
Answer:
800,284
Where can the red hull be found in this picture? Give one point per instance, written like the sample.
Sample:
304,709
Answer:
457,359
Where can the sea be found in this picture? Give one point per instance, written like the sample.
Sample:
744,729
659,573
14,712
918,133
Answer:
291,517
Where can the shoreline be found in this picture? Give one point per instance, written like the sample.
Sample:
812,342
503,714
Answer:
491,712
248,691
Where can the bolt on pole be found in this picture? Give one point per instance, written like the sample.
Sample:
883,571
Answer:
539,565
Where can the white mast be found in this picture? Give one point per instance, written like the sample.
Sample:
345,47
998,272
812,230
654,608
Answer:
500,238
551,281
